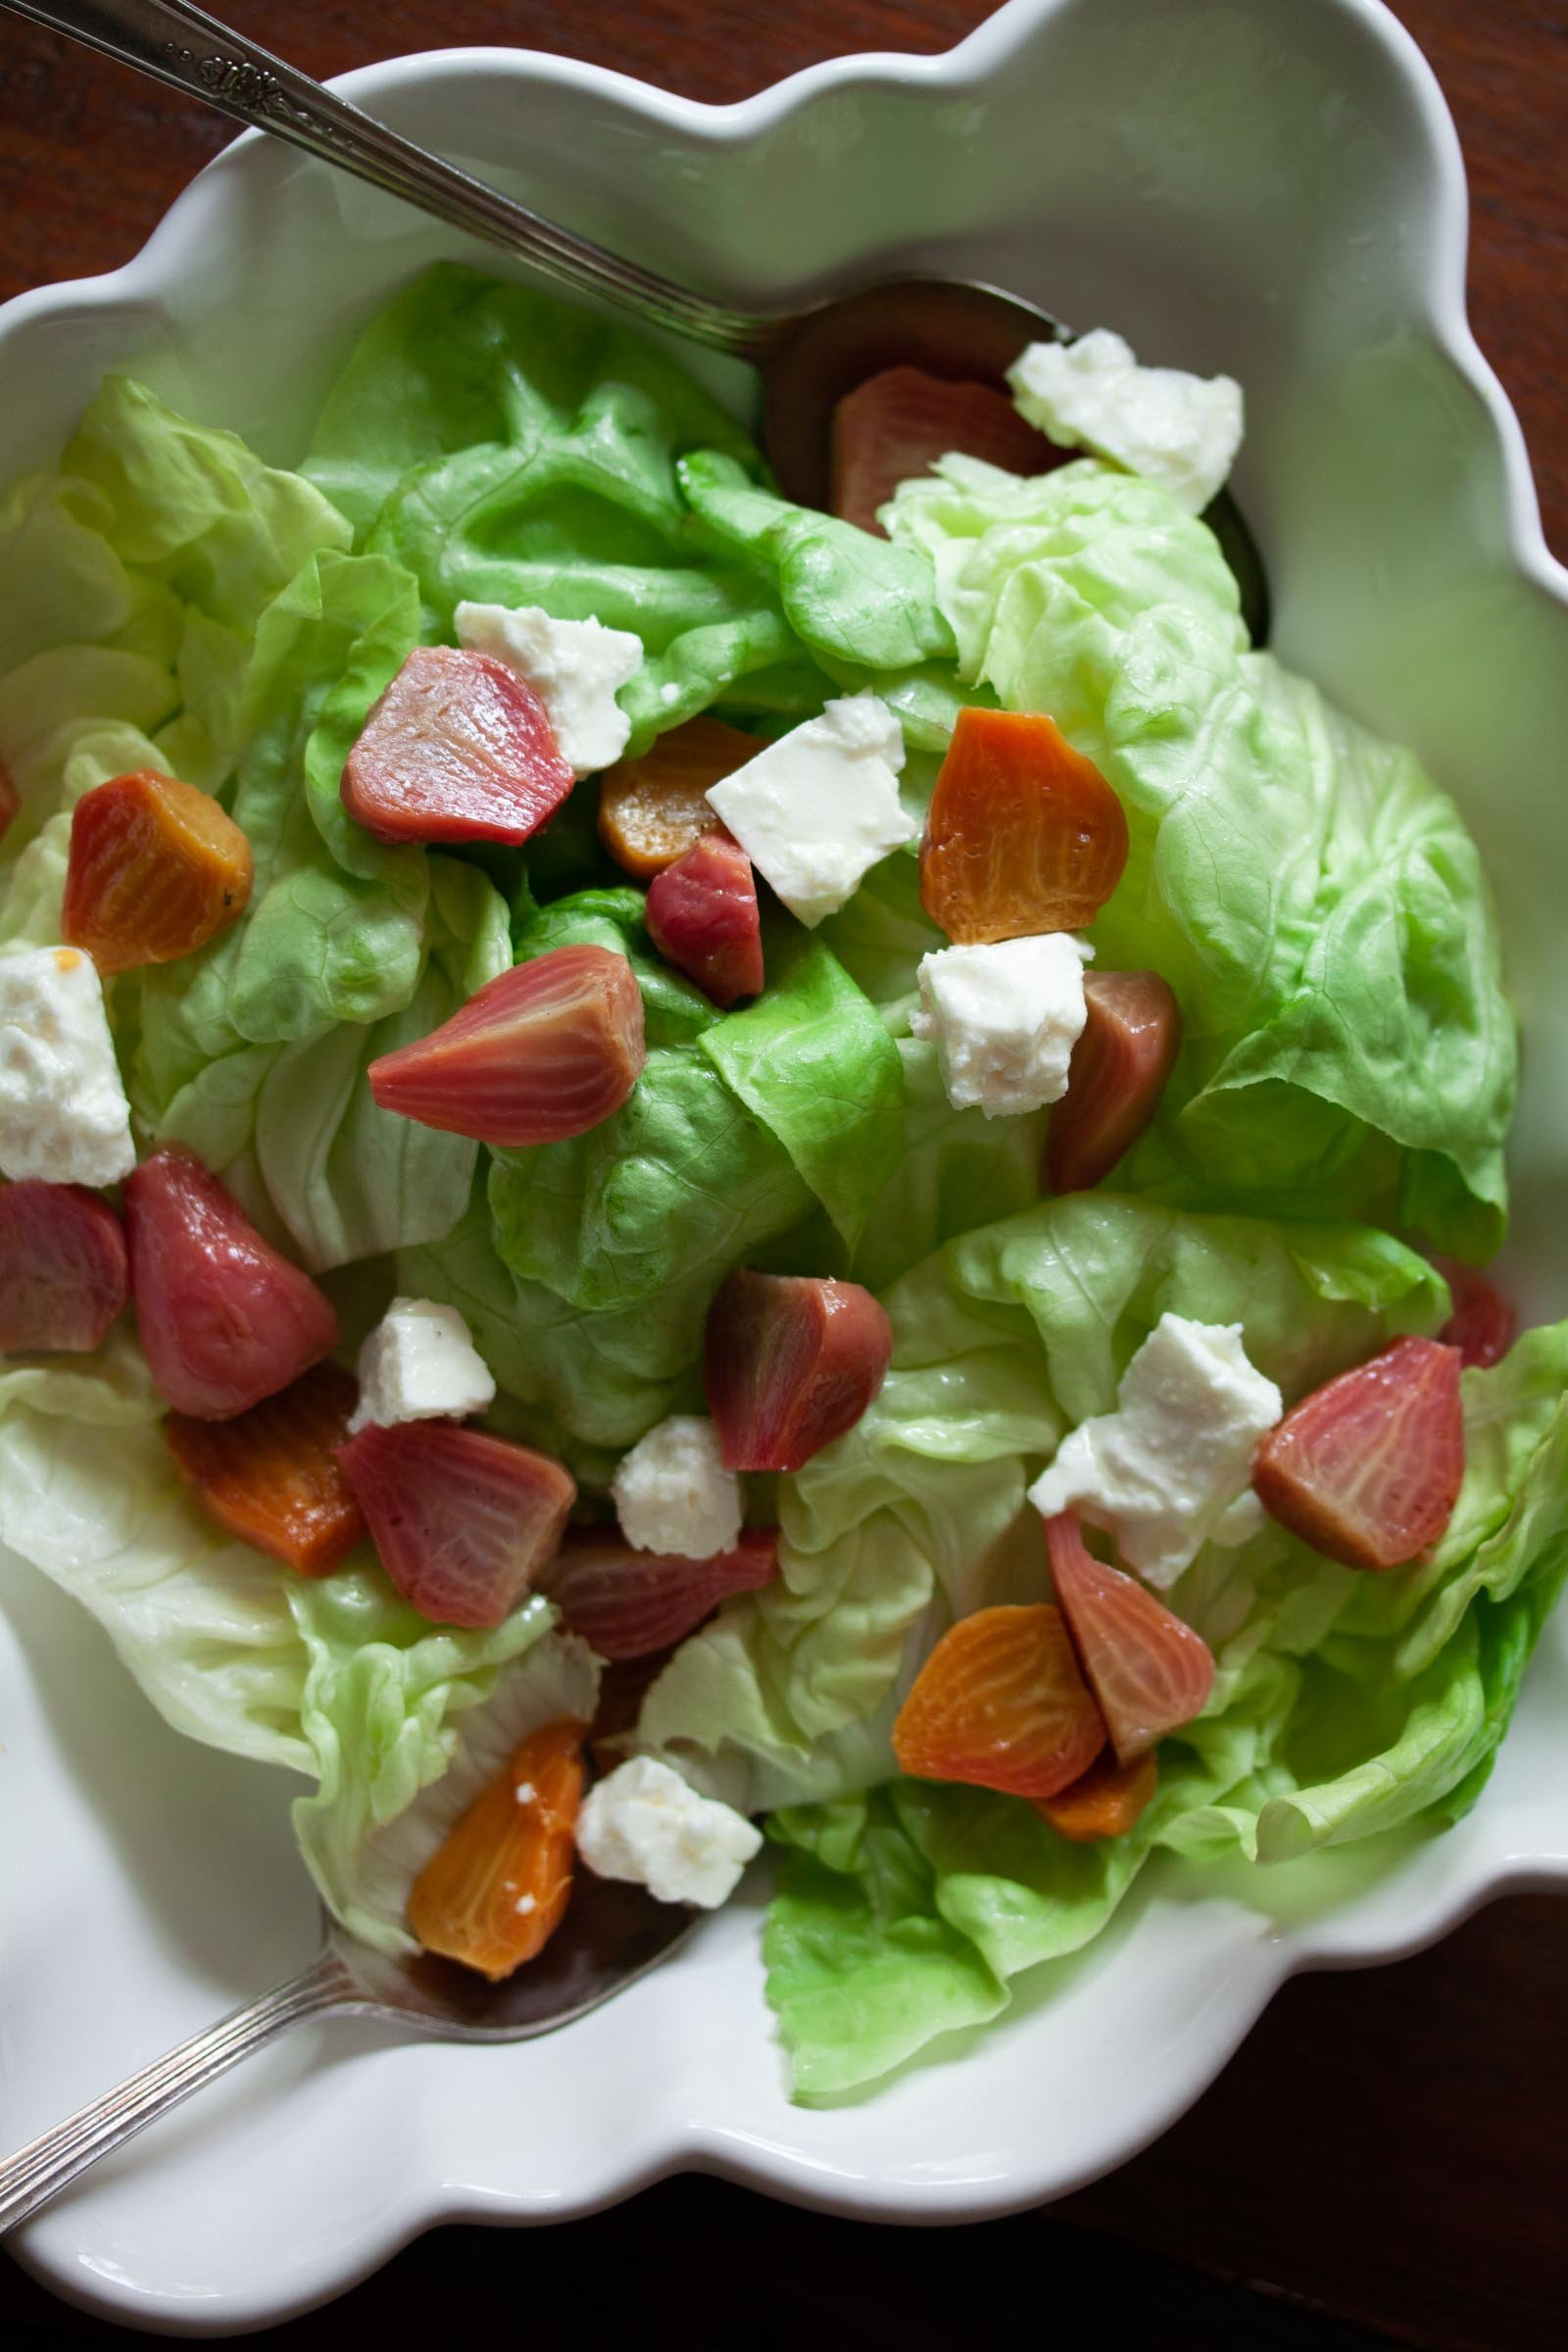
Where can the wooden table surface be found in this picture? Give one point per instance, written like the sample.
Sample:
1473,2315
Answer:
1387,2158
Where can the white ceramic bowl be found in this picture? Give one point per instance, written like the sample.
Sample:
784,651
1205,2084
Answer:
1275,191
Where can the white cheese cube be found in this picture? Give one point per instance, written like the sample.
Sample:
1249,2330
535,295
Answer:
815,810
64,1116
421,1365
1004,1018
673,1493
1179,429
644,1822
1163,1472
574,666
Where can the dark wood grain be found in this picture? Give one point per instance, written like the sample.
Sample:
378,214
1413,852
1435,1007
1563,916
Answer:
1387,2158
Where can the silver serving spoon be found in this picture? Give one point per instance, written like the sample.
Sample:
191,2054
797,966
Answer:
808,358
612,1935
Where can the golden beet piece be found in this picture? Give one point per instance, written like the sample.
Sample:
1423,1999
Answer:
652,810
272,1476
155,870
1106,1803
493,1894
1001,1703
1023,833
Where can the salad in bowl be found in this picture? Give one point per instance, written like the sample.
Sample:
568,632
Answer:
684,1171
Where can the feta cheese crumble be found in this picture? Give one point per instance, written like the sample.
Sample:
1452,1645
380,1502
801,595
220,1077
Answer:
644,1822
673,1493
815,810
420,1364
1004,1018
1183,431
1164,1471
64,1116
574,666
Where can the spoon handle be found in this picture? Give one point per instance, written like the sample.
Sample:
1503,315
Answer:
192,50
39,2171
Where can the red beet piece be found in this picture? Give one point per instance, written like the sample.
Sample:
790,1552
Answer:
1125,1052
545,1052
701,917
791,1362
1483,1322
628,1603
1149,1670
896,424
224,1318
1368,1468
9,799
462,1521
458,747
64,1272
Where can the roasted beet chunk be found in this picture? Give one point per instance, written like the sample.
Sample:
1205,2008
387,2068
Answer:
63,1273
458,747
225,1320
791,1362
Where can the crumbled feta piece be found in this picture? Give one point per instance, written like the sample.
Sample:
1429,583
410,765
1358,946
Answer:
421,1365
644,1822
525,1793
1162,1471
574,666
816,809
1004,1018
64,1116
524,1904
1183,431
673,1493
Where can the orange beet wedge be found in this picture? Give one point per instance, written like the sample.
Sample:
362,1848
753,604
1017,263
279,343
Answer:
1149,1670
493,1894
896,424
156,869
270,1475
1368,1468
1106,1803
1023,834
1001,1703
652,810
1125,1052
545,1052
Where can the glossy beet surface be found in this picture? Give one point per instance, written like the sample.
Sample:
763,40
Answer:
789,1364
462,1521
224,1318
1001,1703
703,917
1125,1052
1022,835
1367,1469
494,1892
1150,1672
272,1475
156,869
64,1271
458,747
545,1052
629,1603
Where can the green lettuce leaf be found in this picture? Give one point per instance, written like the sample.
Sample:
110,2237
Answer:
1315,903
1004,1340
1345,1706
509,449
